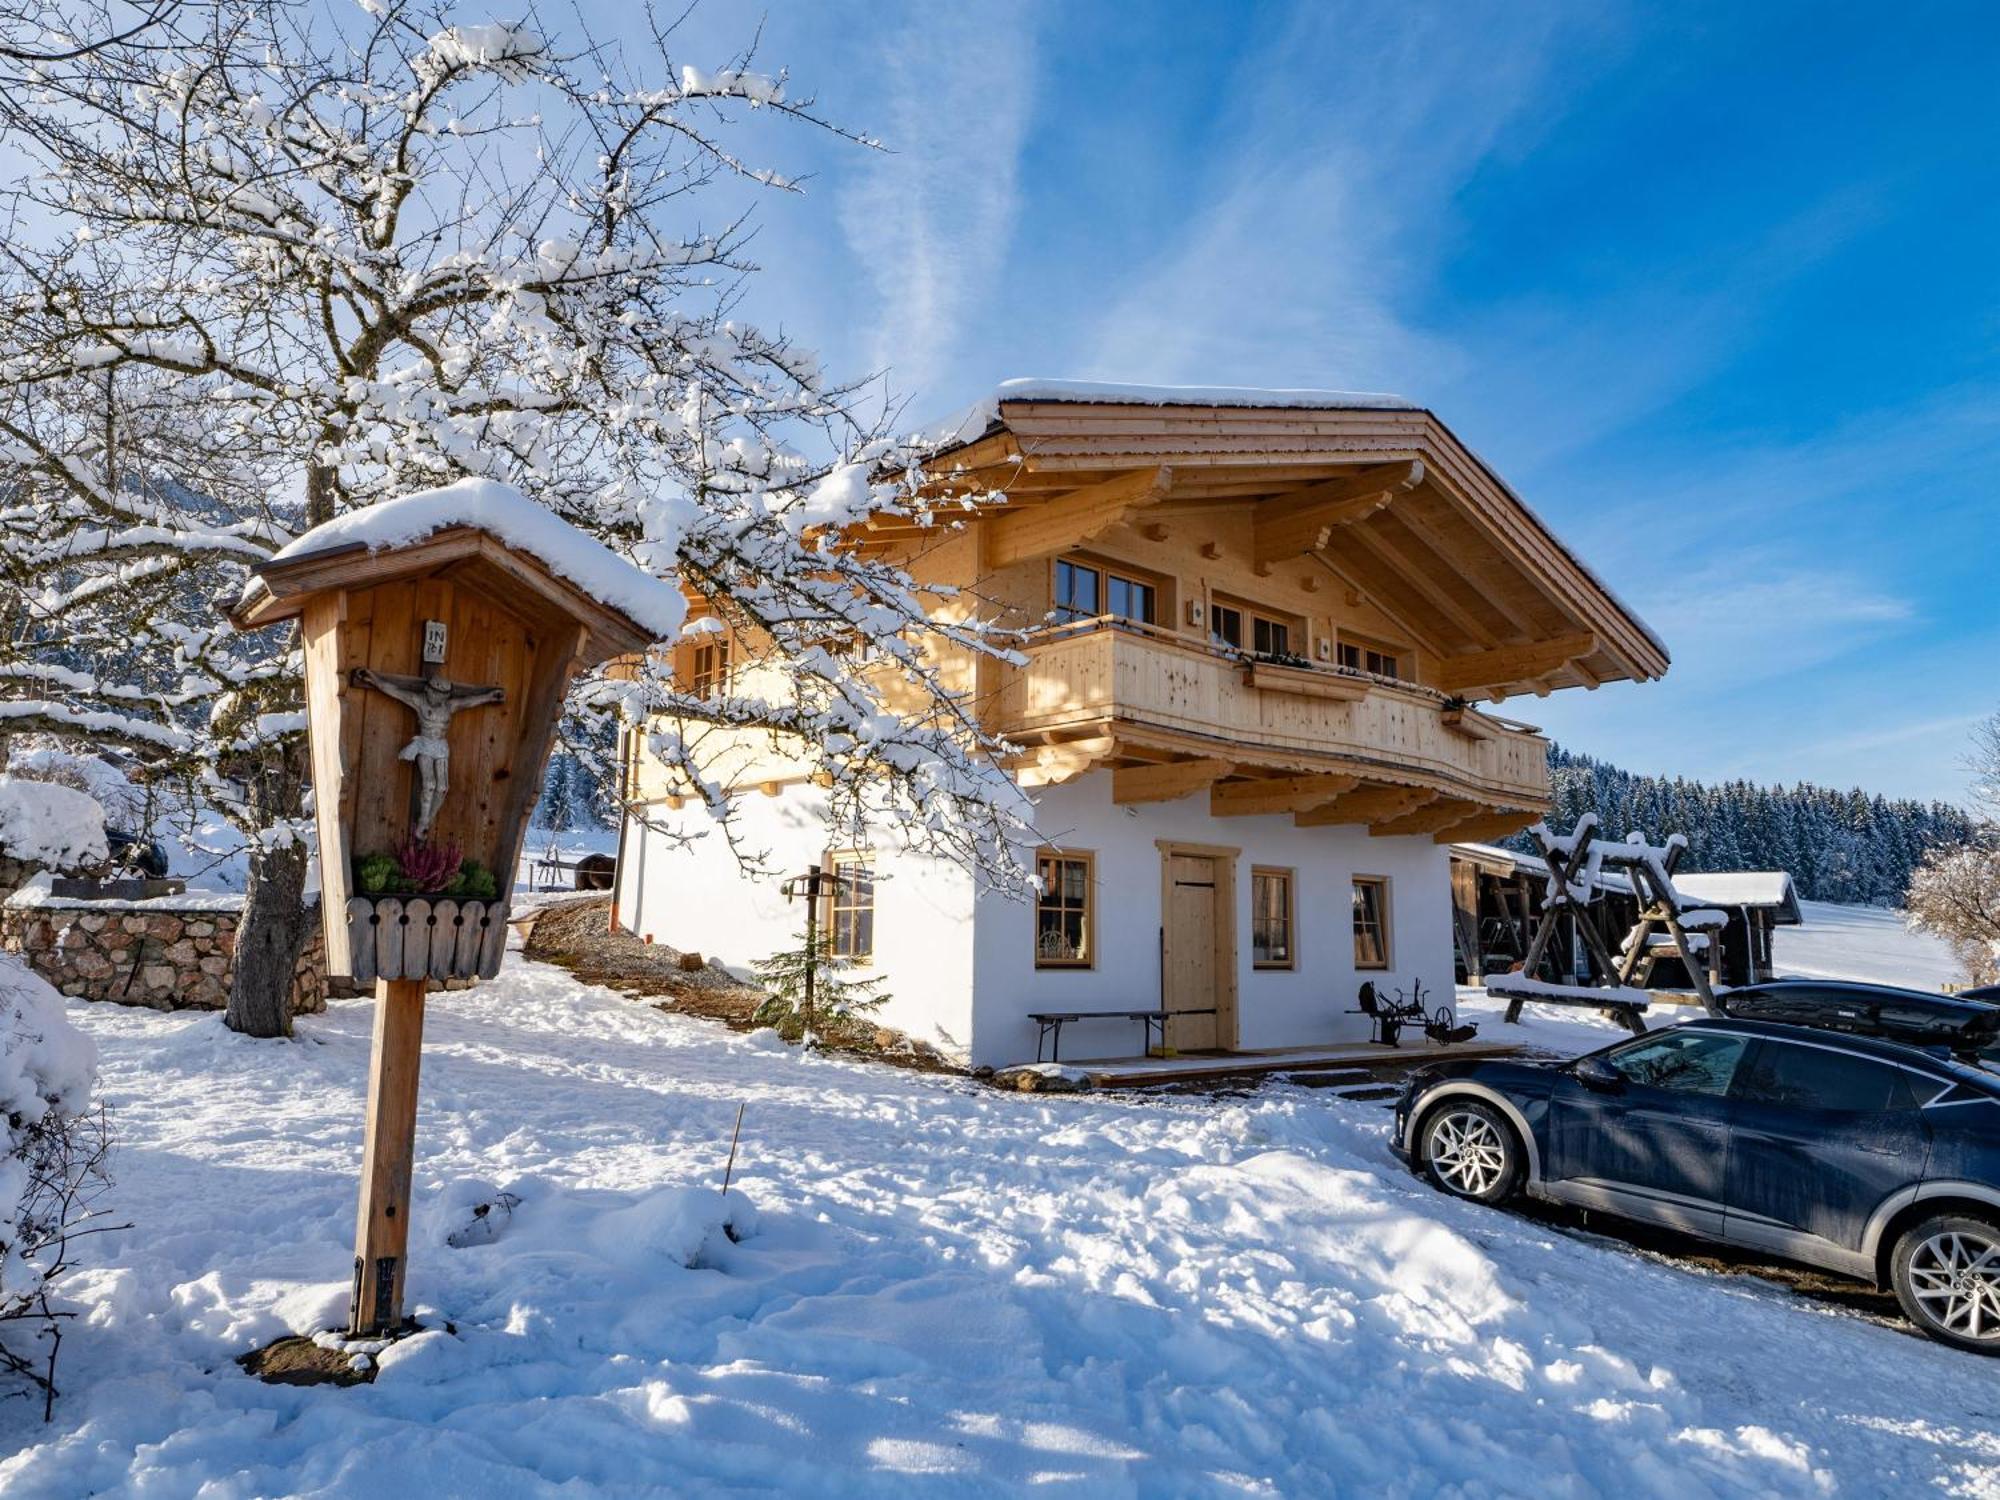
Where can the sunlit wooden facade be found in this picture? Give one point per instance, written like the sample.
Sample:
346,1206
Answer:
1239,614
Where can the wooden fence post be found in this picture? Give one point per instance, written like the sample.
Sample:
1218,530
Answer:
382,1229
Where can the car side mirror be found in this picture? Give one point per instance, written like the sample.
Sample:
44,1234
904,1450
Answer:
1597,1075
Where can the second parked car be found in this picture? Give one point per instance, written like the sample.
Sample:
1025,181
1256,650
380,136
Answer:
1873,1158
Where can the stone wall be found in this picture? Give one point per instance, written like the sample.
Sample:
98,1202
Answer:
171,953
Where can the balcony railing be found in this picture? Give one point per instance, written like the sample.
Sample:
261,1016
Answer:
1117,674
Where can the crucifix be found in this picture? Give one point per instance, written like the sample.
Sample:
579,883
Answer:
433,698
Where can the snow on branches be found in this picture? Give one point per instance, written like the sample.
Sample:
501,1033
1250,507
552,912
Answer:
289,264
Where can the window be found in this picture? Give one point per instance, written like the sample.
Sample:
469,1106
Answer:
1084,592
1267,637
711,669
1271,919
1127,599
1064,913
850,917
1683,1062
1820,1078
1272,637
1359,658
1225,625
1078,590
1371,922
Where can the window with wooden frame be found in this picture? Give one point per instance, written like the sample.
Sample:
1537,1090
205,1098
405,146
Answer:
1383,661
1084,591
1371,922
1272,918
1241,627
1066,910
850,906
709,677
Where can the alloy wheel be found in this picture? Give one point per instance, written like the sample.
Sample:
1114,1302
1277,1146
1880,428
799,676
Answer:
1954,1276
1468,1152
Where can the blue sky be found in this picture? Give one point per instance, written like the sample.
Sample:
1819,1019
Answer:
1712,286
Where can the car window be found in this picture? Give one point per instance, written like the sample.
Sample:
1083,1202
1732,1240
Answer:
1820,1078
1686,1062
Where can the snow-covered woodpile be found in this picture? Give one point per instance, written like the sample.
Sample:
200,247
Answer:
168,953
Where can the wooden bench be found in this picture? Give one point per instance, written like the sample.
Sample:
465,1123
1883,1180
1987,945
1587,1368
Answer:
1051,1023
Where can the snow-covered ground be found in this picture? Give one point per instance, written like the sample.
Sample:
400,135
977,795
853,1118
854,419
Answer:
952,1290
1863,942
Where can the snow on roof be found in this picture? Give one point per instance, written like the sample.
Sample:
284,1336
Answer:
508,514
983,413
1743,888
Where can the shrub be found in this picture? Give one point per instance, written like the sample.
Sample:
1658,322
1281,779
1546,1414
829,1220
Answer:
835,997
52,1155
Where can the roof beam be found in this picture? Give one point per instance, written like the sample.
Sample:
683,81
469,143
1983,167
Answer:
1277,794
1075,517
1486,826
1510,664
1427,819
1369,805
1435,591
1301,522
1165,782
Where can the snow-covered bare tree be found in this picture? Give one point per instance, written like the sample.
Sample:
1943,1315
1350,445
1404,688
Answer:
1955,894
1956,890
299,261
33,32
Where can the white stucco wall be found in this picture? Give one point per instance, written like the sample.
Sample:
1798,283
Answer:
960,966
696,896
1275,1007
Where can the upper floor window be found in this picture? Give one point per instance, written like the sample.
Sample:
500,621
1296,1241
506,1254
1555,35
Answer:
851,907
1239,628
710,678
1271,637
1362,658
1084,592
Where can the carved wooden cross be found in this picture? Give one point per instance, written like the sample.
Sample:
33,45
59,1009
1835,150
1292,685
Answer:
433,698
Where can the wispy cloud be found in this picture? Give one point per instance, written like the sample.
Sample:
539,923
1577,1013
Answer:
1336,151
931,218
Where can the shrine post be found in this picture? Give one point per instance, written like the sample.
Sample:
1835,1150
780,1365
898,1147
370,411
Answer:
435,673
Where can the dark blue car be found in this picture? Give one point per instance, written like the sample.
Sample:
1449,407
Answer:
1874,1158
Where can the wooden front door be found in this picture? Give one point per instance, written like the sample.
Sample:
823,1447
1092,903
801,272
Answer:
1189,952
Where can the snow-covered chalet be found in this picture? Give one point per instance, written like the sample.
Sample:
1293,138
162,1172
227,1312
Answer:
1266,631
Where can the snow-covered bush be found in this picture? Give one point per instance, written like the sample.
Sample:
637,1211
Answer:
52,1151
45,824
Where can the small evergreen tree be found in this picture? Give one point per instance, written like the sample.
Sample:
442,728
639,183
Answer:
812,969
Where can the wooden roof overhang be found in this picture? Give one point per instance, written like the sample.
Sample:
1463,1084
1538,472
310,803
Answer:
1388,499
516,581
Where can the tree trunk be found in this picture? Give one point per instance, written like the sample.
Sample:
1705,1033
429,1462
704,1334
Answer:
268,943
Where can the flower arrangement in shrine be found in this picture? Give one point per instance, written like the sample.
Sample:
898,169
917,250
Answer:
418,867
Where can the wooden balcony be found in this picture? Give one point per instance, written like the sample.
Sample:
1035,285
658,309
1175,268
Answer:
1404,758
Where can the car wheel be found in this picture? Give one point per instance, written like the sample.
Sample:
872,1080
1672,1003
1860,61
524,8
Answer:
1946,1272
1470,1151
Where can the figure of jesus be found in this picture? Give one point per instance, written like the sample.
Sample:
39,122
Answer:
433,700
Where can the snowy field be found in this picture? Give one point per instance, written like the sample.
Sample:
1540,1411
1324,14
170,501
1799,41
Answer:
948,1290
1863,942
